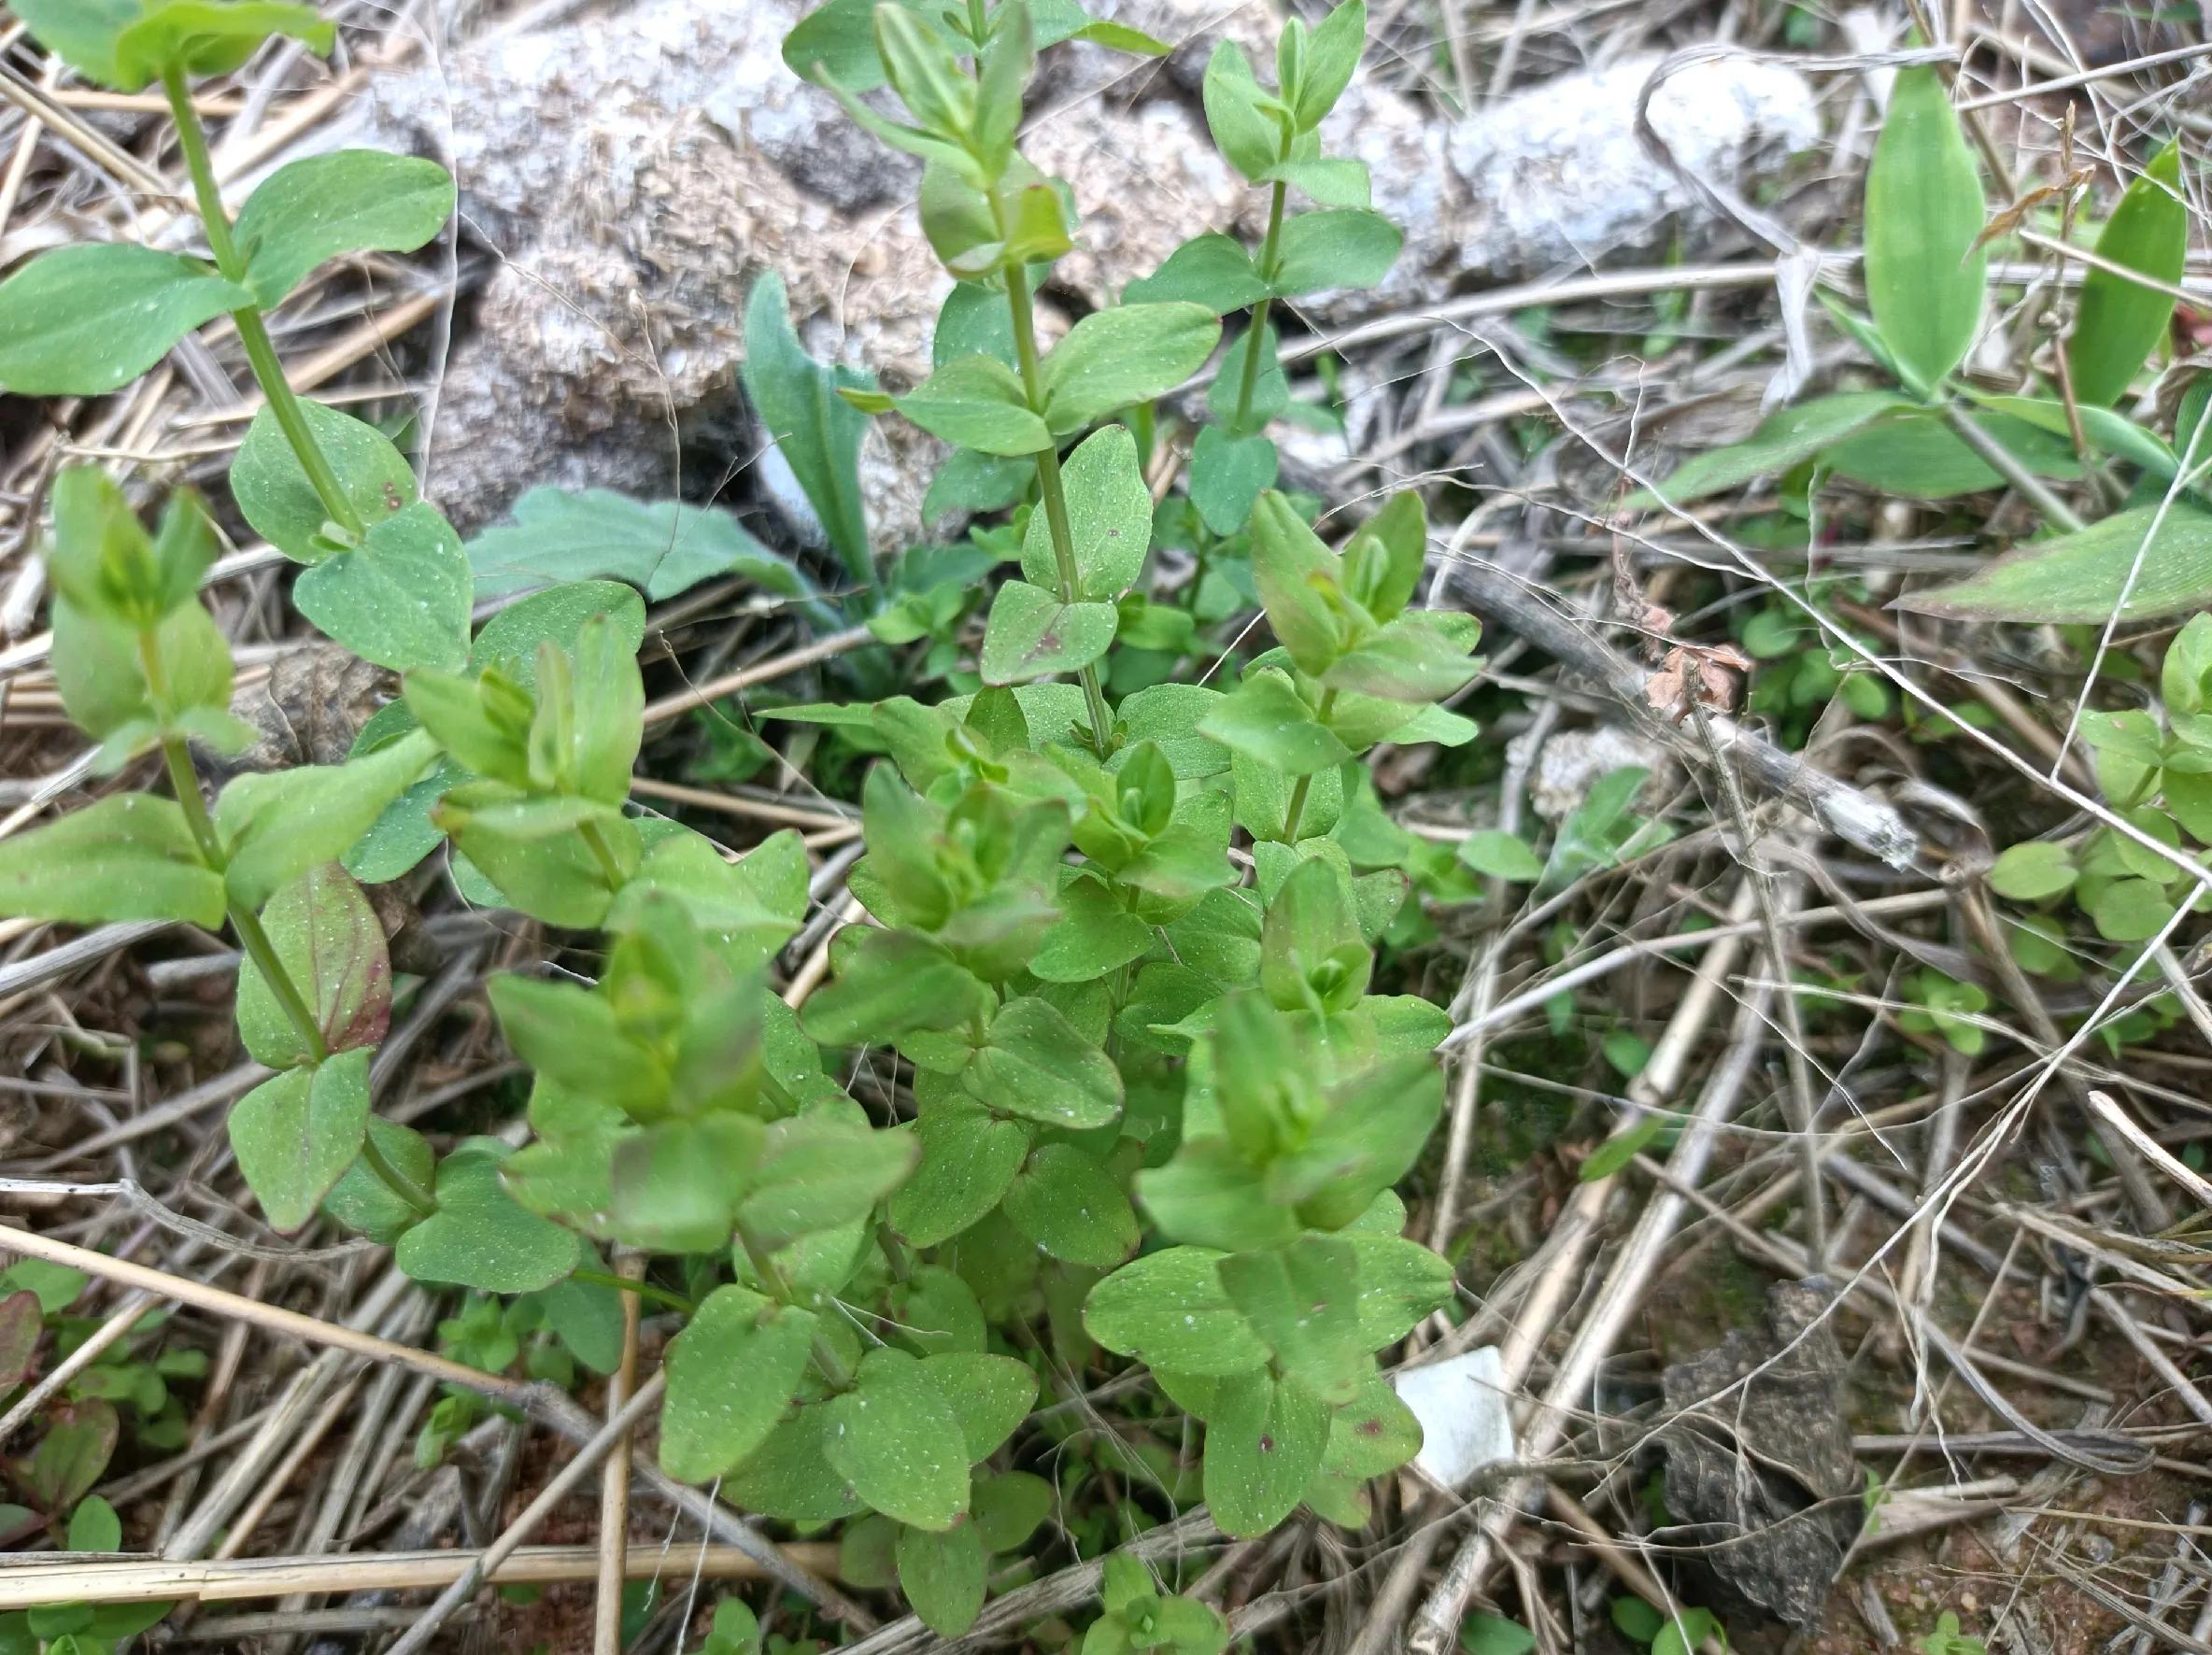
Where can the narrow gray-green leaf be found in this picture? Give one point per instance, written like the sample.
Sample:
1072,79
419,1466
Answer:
816,430
1784,439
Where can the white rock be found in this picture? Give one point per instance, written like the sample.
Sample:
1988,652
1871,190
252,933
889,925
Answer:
1464,1412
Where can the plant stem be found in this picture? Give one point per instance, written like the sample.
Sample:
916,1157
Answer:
1298,793
1249,381
645,1290
261,353
1049,485
609,868
2001,460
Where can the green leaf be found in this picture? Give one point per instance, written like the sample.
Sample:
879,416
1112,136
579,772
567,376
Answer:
890,982
2081,576
1916,455
1373,1433
1785,439
820,1170
976,402
1114,359
346,201
1620,1149
330,943
1170,1311
1500,855
128,857
1265,1438
2130,910
1228,474
81,32
731,1373
991,1394
1304,1300
282,504
661,548
20,1324
1332,57
211,36
2031,872
1243,131
401,599
1033,633
790,1477
1924,211
1009,1507
85,321
295,1136
836,42
1335,248
93,1526
1038,1065
363,1201
1213,270
1483,1634
1095,935
817,432
896,1437
1072,1208
478,1237
968,1159
56,1287
1226,398
1266,719
943,1577
1109,519
278,824
2114,433
79,1440
2119,323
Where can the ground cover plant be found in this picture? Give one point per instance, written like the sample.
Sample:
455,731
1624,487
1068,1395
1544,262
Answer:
1023,1167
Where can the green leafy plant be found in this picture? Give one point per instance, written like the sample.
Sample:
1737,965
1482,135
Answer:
1154,1088
1940,1005
1946,1639
1678,1633
1937,434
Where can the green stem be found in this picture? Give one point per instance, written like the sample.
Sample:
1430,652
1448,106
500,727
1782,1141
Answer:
2000,460
398,1182
1249,381
609,868
1305,783
826,1361
645,1290
261,353
1049,486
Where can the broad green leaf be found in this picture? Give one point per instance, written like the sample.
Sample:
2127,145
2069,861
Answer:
281,506
1038,1065
1335,248
991,1395
2031,872
1620,1149
1033,633
1400,1282
792,1477
820,1170
81,32
896,1438
100,558
1114,359
731,1373
93,1526
1916,455
943,1577
21,1323
295,1136
2119,323
363,1201
2080,576
84,321
1373,1433
345,201
1330,58
79,1440
1243,131
1213,270
1228,474
1170,1311
2132,910
1266,719
1265,1438
128,857
890,982
2114,433
478,1237
1304,1300
401,600
1500,855
278,825
738,907
836,42
1297,576
671,1187
1925,211
211,36
557,615
817,432
1331,181
1072,1208
968,1159
661,548
1784,440
330,945
1009,1507
976,402
1417,659
1109,519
